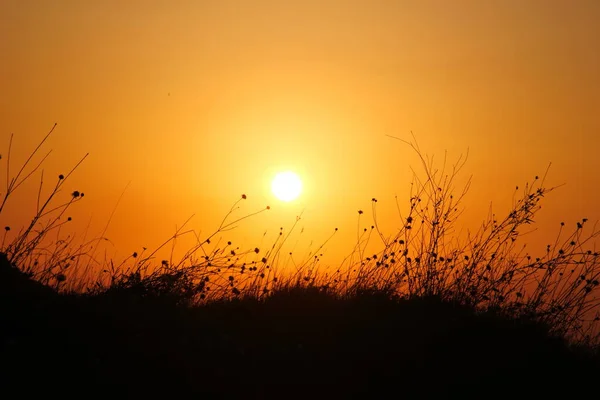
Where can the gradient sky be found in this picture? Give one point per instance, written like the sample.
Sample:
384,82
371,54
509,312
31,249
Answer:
195,102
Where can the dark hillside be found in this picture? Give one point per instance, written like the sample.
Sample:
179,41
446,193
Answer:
296,343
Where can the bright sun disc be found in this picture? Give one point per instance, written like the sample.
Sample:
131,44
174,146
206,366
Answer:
286,186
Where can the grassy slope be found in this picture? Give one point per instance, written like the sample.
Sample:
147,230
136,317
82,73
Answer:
296,343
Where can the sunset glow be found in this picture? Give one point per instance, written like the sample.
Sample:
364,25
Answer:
184,106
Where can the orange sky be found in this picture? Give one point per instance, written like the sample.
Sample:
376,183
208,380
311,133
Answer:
197,102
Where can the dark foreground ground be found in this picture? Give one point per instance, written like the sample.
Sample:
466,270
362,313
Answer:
297,344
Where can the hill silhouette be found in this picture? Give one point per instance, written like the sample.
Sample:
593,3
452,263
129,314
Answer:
295,343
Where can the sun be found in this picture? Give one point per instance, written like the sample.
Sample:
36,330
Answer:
286,186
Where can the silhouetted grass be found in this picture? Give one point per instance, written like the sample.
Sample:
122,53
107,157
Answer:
427,315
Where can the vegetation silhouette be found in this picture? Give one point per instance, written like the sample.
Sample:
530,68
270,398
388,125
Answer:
424,316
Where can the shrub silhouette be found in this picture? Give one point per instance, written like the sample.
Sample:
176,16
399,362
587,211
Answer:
425,316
